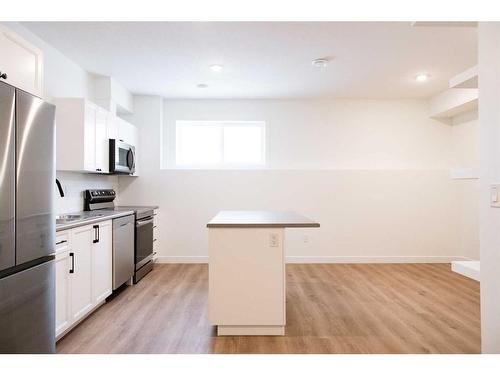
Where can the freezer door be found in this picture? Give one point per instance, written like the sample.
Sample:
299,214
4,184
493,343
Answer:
27,310
7,177
35,156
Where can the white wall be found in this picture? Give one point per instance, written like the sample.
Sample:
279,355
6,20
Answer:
465,154
64,78
465,140
326,134
375,174
489,138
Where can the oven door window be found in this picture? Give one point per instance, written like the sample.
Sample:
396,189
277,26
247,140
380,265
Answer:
144,241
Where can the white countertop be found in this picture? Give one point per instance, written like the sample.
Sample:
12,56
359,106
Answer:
260,219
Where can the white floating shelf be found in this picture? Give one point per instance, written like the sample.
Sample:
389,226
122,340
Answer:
468,268
465,80
453,102
464,174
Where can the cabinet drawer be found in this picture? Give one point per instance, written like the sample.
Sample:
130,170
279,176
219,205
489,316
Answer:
62,241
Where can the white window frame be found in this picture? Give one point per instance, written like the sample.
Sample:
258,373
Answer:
222,125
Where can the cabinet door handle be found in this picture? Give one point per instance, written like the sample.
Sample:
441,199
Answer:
61,242
3,75
99,170
96,234
72,255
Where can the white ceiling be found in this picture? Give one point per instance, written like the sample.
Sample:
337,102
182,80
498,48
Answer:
267,60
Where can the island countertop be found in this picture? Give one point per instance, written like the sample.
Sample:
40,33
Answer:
260,219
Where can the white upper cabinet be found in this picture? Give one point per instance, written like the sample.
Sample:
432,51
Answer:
89,137
113,124
127,132
20,62
76,135
83,133
101,141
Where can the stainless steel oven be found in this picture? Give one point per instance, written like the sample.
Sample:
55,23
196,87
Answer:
143,244
121,157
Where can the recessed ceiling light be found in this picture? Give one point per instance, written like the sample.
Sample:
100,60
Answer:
202,85
422,77
216,68
320,63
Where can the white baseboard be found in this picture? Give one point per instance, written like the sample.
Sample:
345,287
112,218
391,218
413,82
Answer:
331,259
469,269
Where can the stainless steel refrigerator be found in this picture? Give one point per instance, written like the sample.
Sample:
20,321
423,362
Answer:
27,223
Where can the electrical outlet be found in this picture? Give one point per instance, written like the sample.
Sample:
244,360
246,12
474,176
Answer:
274,240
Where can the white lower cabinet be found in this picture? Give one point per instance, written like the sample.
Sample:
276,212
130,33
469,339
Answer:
83,273
102,263
63,313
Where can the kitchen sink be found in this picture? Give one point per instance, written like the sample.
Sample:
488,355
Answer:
69,218
61,219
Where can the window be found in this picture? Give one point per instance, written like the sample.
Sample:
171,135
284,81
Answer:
220,144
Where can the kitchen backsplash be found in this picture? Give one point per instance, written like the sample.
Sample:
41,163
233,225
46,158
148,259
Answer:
74,184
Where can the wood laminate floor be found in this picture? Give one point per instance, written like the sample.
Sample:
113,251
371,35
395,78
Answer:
331,308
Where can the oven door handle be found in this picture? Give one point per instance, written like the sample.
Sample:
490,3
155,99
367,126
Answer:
145,222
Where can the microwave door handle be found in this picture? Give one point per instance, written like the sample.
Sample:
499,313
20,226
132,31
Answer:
130,158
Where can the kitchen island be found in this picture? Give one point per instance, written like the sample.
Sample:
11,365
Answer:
247,270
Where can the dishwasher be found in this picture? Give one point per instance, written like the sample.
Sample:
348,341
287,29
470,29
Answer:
123,250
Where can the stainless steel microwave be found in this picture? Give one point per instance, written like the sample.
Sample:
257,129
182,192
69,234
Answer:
121,157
